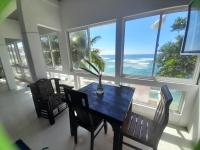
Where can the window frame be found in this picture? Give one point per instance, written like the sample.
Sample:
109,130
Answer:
119,77
193,80
86,27
53,67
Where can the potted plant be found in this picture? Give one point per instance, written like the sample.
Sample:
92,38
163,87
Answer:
95,66
85,57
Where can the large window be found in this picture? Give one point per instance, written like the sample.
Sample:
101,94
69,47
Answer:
51,51
152,47
98,40
139,46
169,62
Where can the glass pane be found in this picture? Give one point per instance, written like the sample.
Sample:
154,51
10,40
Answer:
192,43
54,41
102,38
139,45
14,54
45,43
150,96
78,47
169,61
48,59
57,59
12,62
22,54
55,51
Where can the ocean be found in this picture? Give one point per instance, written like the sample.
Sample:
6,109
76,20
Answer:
138,65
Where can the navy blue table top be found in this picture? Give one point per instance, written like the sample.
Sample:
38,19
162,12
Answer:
113,104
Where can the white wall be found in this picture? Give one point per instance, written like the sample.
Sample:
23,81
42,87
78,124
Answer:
34,13
6,64
10,29
194,123
77,13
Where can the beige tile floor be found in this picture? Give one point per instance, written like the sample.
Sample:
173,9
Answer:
18,116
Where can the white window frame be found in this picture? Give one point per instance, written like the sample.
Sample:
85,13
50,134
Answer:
81,72
193,80
180,84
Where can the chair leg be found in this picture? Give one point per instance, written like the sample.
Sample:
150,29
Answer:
92,141
51,117
75,135
105,126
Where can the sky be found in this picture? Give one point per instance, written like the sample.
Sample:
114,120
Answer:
140,36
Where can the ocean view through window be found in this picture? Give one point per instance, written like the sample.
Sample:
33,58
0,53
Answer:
141,56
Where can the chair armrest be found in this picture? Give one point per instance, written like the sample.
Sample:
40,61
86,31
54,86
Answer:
54,79
66,86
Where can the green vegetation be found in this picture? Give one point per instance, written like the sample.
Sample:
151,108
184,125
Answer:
85,57
52,51
197,146
170,62
6,7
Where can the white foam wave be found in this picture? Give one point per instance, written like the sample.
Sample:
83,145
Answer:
141,60
106,58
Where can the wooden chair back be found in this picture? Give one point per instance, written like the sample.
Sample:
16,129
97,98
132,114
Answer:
161,117
45,88
78,102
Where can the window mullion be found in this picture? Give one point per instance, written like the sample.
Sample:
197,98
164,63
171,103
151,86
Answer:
119,49
157,44
89,43
51,52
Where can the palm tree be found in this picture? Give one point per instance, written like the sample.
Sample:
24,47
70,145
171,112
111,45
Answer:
86,58
83,56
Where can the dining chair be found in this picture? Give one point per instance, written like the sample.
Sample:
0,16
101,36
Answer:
80,115
146,131
48,102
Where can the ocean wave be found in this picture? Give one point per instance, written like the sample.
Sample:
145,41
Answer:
138,60
106,58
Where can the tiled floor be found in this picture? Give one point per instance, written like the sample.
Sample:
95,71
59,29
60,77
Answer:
18,116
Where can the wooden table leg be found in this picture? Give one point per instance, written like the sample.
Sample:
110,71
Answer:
118,138
71,120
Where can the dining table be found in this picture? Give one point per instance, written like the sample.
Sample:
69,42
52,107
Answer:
112,106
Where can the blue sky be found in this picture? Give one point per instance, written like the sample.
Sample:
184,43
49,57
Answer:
140,36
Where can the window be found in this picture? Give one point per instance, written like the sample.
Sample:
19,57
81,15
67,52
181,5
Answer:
148,52
149,95
78,46
51,51
106,45
169,62
139,46
99,39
